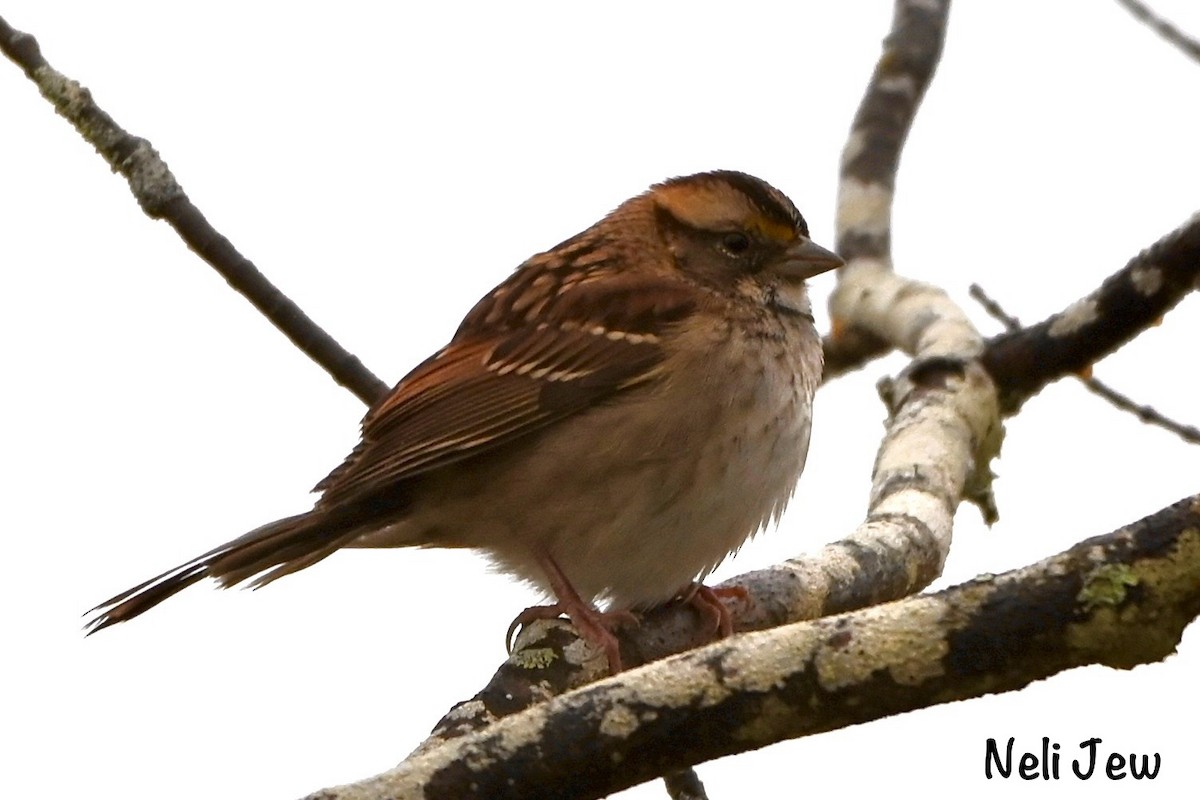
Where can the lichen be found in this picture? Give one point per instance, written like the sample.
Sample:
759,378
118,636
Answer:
1106,585
534,657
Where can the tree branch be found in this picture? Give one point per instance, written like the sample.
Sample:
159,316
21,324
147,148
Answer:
1120,600
870,162
1189,46
1146,414
1151,284
161,197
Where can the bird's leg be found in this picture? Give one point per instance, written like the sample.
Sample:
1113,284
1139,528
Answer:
594,625
709,603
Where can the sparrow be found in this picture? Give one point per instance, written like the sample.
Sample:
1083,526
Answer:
608,424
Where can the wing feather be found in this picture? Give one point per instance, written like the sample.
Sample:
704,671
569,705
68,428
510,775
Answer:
508,377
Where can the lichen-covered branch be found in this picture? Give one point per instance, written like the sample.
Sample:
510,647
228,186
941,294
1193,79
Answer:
1121,599
1151,284
161,197
870,161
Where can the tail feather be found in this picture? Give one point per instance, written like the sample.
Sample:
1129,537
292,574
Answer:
302,562
290,558
282,547
128,605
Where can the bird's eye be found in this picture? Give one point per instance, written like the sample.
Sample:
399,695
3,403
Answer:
735,244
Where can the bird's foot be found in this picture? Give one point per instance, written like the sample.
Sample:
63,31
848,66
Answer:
593,625
710,604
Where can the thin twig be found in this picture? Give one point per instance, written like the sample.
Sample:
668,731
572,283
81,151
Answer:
993,308
1145,413
161,197
1165,29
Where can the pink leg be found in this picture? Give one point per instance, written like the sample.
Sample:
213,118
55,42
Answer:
595,626
708,602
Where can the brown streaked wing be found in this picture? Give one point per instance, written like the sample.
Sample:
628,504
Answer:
498,383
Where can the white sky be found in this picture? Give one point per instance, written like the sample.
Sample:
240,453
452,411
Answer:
386,167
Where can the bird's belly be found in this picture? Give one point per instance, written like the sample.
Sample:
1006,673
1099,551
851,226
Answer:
635,499
644,535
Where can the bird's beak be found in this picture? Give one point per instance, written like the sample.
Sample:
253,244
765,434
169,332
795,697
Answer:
806,258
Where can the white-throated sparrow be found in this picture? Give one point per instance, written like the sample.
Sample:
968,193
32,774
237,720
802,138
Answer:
608,423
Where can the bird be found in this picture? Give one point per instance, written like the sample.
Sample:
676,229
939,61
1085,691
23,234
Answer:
608,424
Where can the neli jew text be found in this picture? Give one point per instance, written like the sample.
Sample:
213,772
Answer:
1091,760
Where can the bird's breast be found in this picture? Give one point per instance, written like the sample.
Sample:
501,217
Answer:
636,497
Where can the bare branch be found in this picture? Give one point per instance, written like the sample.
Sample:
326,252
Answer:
1094,385
161,197
1120,600
1023,362
870,161
1189,46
